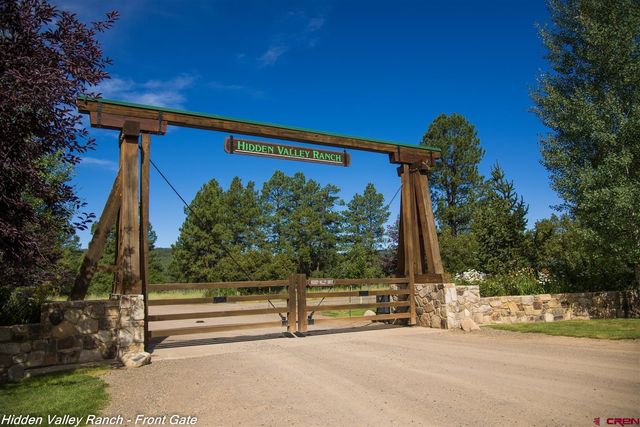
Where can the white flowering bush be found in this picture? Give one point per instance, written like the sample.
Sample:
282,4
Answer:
471,276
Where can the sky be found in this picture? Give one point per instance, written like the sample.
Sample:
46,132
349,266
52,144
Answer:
382,70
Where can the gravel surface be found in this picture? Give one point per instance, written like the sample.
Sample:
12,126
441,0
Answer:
402,376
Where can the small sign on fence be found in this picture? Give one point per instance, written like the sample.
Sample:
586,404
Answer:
321,282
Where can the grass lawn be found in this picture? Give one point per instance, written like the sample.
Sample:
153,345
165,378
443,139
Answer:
612,329
77,393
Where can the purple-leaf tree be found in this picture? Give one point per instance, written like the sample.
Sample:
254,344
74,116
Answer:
47,58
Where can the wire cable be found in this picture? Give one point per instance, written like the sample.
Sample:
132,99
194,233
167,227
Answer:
201,225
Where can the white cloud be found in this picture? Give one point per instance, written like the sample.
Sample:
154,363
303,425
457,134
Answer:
100,163
301,31
315,23
161,93
272,54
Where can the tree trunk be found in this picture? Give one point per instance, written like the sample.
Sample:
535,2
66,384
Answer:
637,269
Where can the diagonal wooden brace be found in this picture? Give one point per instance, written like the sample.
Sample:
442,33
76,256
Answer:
96,246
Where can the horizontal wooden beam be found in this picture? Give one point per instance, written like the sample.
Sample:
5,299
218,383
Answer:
217,285
322,308
115,122
207,314
231,298
432,278
128,111
380,281
359,318
364,293
212,328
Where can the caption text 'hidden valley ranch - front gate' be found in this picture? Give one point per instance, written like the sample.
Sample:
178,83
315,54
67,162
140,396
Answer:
295,299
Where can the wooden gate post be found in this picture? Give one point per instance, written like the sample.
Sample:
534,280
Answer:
292,309
302,302
145,147
408,226
128,251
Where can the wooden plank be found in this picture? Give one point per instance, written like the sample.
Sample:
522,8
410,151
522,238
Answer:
96,246
129,231
145,147
233,298
223,124
311,295
379,281
408,238
433,247
400,266
208,314
292,308
422,224
322,307
110,121
404,156
211,328
418,259
217,285
359,318
430,278
302,302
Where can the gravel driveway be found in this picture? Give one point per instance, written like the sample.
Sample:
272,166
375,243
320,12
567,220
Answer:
402,376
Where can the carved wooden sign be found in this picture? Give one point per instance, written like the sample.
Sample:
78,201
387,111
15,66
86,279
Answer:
287,152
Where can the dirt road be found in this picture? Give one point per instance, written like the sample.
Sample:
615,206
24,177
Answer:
405,376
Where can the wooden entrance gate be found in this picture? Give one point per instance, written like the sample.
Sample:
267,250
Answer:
295,301
128,208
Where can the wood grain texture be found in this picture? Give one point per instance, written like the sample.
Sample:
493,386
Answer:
98,240
184,119
129,231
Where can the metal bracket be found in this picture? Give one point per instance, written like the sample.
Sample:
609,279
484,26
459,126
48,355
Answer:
219,299
285,322
310,320
363,293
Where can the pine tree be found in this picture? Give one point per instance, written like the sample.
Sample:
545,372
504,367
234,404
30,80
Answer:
590,99
363,234
301,221
219,238
455,180
500,226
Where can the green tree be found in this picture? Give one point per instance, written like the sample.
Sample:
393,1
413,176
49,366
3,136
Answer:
590,99
219,237
455,181
500,226
102,281
459,253
363,234
364,219
302,223
562,250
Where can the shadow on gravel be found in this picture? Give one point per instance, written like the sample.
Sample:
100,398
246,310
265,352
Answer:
162,343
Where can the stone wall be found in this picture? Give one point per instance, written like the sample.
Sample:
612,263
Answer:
73,332
445,305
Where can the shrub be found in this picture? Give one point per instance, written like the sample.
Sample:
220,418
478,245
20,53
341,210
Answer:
22,304
518,282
